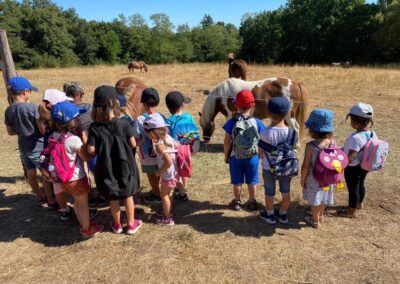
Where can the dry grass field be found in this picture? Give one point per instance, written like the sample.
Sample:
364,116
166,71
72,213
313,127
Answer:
211,243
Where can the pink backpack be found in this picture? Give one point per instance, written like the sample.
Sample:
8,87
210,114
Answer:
54,161
184,160
329,166
375,154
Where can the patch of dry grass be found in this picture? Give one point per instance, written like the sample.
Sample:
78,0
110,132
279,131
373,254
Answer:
211,243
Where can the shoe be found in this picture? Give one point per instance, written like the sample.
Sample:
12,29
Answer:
117,228
101,201
63,215
93,213
93,230
251,205
178,196
164,221
283,218
236,204
160,213
92,202
152,199
270,219
52,206
309,220
133,228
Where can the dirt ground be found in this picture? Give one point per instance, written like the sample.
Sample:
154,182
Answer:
211,243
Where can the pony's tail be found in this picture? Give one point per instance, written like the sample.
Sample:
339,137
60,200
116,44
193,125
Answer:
302,109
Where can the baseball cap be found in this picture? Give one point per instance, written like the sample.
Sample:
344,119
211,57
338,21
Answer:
122,100
17,84
320,120
362,110
104,93
65,111
244,99
70,88
54,96
278,105
175,99
150,96
154,120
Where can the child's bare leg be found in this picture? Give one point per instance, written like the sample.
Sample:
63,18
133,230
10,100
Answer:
285,202
269,203
237,188
33,182
321,212
81,207
154,183
48,191
115,211
315,213
166,199
60,197
252,191
130,210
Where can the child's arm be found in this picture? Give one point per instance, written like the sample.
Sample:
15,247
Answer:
227,147
305,167
352,155
83,153
167,160
260,153
132,142
11,131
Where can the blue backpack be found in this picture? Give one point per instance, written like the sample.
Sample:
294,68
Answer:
282,158
183,129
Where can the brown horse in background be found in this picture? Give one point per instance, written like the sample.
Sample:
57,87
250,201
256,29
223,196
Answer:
132,88
237,67
137,65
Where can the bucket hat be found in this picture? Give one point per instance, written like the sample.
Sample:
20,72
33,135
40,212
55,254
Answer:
320,120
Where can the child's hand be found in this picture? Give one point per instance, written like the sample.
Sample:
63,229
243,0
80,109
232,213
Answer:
157,173
303,184
226,160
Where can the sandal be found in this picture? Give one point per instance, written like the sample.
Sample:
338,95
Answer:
344,213
309,220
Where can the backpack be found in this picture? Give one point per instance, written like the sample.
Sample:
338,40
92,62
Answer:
185,131
54,162
375,154
116,172
329,166
183,157
245,138
283,159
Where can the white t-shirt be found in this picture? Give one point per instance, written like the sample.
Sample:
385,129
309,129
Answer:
355,142
273,136
71,145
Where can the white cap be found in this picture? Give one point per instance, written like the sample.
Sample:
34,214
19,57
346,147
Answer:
362,110
54,96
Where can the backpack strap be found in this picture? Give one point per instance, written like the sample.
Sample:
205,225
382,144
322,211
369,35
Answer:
291,139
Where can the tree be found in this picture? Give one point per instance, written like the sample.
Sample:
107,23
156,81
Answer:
161,35
207,21
110,46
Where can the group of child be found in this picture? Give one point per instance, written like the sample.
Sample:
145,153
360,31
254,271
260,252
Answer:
67,139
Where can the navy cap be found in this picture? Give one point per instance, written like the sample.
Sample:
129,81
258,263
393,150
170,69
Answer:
175,99
320,120
64,112
104,93
18,84
150,95
278,105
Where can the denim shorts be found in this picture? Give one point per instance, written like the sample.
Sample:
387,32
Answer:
242,170
270,184
30,160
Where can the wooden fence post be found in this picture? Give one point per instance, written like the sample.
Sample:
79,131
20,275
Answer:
7,63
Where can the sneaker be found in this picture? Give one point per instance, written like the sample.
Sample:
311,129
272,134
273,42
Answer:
251,205
270,219
160,213
133,228
178,196
63,215
93,230
117,228
152,199
236,204
164,221
283,218
93,213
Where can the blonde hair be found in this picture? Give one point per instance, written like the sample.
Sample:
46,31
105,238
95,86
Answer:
160,134
101,113
44,116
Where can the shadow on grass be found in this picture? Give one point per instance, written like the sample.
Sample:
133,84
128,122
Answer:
11,180
211,148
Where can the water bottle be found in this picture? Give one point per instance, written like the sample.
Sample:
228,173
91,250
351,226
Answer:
52,173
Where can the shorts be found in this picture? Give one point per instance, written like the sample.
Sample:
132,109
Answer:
30,160
244,170
270,184
148,169
57,188
170,183
77,187
92,164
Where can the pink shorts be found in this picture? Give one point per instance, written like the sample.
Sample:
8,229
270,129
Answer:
171,183
57,188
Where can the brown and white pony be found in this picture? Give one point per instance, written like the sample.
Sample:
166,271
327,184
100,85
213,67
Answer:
237,67
137,65
132,88
220,100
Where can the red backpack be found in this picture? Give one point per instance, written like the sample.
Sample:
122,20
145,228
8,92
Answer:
183,157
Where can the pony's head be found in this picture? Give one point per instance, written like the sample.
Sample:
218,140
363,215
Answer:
207,127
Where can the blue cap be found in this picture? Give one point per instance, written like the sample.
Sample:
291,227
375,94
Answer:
18,84
122,100
320,120
278,105
65,111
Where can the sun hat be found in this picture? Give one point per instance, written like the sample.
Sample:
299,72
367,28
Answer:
320,120
175,99
362,110
65,111
154,120
244,99
150,96
104,93
54,96
71,88
17,84
122,100
278,105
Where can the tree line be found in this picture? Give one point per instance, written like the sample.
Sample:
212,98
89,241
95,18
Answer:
42,34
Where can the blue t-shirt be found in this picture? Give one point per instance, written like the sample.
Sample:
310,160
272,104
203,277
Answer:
183,128
230,124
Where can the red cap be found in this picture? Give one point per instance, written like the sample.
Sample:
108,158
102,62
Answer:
244,99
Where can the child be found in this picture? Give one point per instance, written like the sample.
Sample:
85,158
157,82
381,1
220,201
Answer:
320,125
148,159
361,120
276,133
65,119
20,119
184,130
165,148
241,149
111,139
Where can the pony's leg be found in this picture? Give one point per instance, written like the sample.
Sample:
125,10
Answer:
292,122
